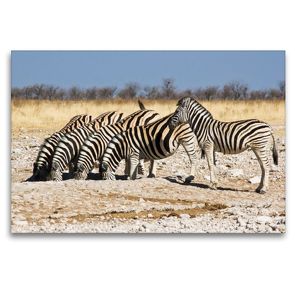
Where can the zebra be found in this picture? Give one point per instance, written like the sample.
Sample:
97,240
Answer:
152,142
68,148
42,164
94,146
227,137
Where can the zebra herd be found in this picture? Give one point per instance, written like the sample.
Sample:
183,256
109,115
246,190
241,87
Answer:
145,136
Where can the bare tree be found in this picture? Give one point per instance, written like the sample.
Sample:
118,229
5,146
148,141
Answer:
274,93
258,94
168,88
50,92
282,88
235,90
151,92
106,92
187,92
91,93
130,91
75,93
210,92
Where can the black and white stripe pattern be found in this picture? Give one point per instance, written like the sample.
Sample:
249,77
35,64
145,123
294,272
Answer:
69,146
95,145
43,163
227,137
153,142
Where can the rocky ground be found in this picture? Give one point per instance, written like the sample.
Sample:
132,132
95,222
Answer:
160,205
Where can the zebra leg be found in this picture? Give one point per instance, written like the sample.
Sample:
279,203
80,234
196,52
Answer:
127,167
209,151
191,152
152,171
262,157
71,168
134,160
141,167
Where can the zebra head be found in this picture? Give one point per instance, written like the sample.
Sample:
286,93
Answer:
180,116
106,173
81,172
40,172
55,173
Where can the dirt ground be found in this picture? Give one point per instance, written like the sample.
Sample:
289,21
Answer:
160,205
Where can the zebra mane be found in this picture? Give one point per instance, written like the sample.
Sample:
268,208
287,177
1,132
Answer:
185,102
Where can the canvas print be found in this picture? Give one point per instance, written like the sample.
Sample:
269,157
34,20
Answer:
148,142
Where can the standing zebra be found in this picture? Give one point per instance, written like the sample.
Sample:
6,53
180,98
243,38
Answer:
42,165
152,142
227,137
94,146
69,146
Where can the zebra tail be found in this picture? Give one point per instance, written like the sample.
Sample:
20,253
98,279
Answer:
275,152
141,105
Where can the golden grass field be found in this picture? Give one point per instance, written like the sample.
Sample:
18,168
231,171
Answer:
53,115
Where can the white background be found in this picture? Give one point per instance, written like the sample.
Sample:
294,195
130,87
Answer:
175,264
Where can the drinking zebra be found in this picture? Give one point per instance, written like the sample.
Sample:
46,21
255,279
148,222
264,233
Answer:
42,165
227,137
69,146
152,142
94,146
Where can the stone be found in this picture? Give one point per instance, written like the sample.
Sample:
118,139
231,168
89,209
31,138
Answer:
184,216
242,222
264,219
254,180
150,215
207,177
235,172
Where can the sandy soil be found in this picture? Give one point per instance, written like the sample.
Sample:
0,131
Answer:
160,205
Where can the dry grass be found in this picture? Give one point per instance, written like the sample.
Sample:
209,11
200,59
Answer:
53,115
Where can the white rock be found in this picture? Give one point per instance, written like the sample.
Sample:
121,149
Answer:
207,177
264,219
184,216
150,215
235,172
254,180
241,222
20,222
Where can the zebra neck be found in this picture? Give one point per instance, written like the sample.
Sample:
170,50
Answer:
120,152
199,122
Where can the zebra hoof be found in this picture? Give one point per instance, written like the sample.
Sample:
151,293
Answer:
189,179
152,175
260,191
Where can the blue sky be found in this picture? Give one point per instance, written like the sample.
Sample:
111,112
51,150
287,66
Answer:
189,69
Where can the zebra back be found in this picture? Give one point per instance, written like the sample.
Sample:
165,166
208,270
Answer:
94,147
154,141
227,137
105,119
76,122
